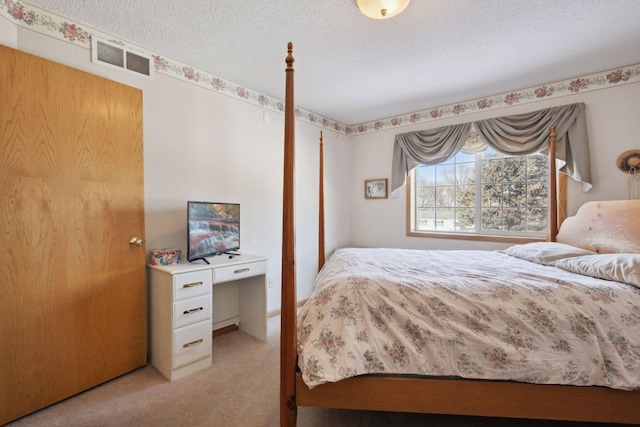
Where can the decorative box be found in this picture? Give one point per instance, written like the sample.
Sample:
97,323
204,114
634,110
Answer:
166,256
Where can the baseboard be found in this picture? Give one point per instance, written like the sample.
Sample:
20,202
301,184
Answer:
278,311
225,330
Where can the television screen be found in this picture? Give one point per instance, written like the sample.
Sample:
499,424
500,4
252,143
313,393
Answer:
213,228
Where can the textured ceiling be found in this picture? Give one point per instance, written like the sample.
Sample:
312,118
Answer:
353,69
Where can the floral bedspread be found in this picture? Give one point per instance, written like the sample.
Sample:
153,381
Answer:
469,314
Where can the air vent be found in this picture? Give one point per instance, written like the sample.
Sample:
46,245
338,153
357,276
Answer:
116,56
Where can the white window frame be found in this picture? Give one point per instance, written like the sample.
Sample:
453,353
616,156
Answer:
490,235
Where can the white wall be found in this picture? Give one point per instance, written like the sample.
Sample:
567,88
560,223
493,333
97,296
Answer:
200,145
8,34
613,124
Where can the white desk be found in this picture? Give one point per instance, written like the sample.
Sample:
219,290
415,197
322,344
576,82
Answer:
181,309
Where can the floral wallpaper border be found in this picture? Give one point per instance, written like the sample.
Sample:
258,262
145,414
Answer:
36,19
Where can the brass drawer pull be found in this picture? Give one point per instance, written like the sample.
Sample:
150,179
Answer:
241,270
191,285
192,343
193,310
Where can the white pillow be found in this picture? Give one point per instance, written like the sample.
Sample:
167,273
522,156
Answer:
623,268
545,252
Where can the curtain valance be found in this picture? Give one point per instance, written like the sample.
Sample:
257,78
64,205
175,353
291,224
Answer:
519,134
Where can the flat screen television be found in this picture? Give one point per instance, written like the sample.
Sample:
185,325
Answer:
212,229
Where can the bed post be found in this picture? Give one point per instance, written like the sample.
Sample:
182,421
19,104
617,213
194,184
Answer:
553,188
321,208
288,409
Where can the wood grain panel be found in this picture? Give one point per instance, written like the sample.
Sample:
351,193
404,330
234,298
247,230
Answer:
474,397
73,294
288,325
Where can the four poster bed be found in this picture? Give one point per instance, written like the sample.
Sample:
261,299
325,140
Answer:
441,358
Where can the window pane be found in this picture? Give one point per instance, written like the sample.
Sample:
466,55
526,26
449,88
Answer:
491,195
492,170
445,175
537,168
466,196
465,173
490,153
465,219
426,196
426,219
445,219
446,196
426,175
514,194
515,219
491,219
537,220
465,157
537,194
515,169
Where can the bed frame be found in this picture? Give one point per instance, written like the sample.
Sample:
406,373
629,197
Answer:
605,227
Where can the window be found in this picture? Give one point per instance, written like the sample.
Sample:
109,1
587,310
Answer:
481,194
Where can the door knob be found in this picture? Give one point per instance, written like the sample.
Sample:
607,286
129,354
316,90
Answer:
135,242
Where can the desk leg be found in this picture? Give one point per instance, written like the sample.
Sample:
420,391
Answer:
253,306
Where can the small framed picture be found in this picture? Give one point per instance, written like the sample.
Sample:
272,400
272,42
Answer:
375,188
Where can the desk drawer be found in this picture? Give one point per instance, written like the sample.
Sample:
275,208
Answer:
240,271
189,285
191,343
192,310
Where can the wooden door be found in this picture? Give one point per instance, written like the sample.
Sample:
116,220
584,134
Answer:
72,288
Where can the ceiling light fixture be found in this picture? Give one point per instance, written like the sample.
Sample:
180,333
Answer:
381,9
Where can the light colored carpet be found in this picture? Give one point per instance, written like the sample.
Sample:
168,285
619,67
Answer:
240,389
